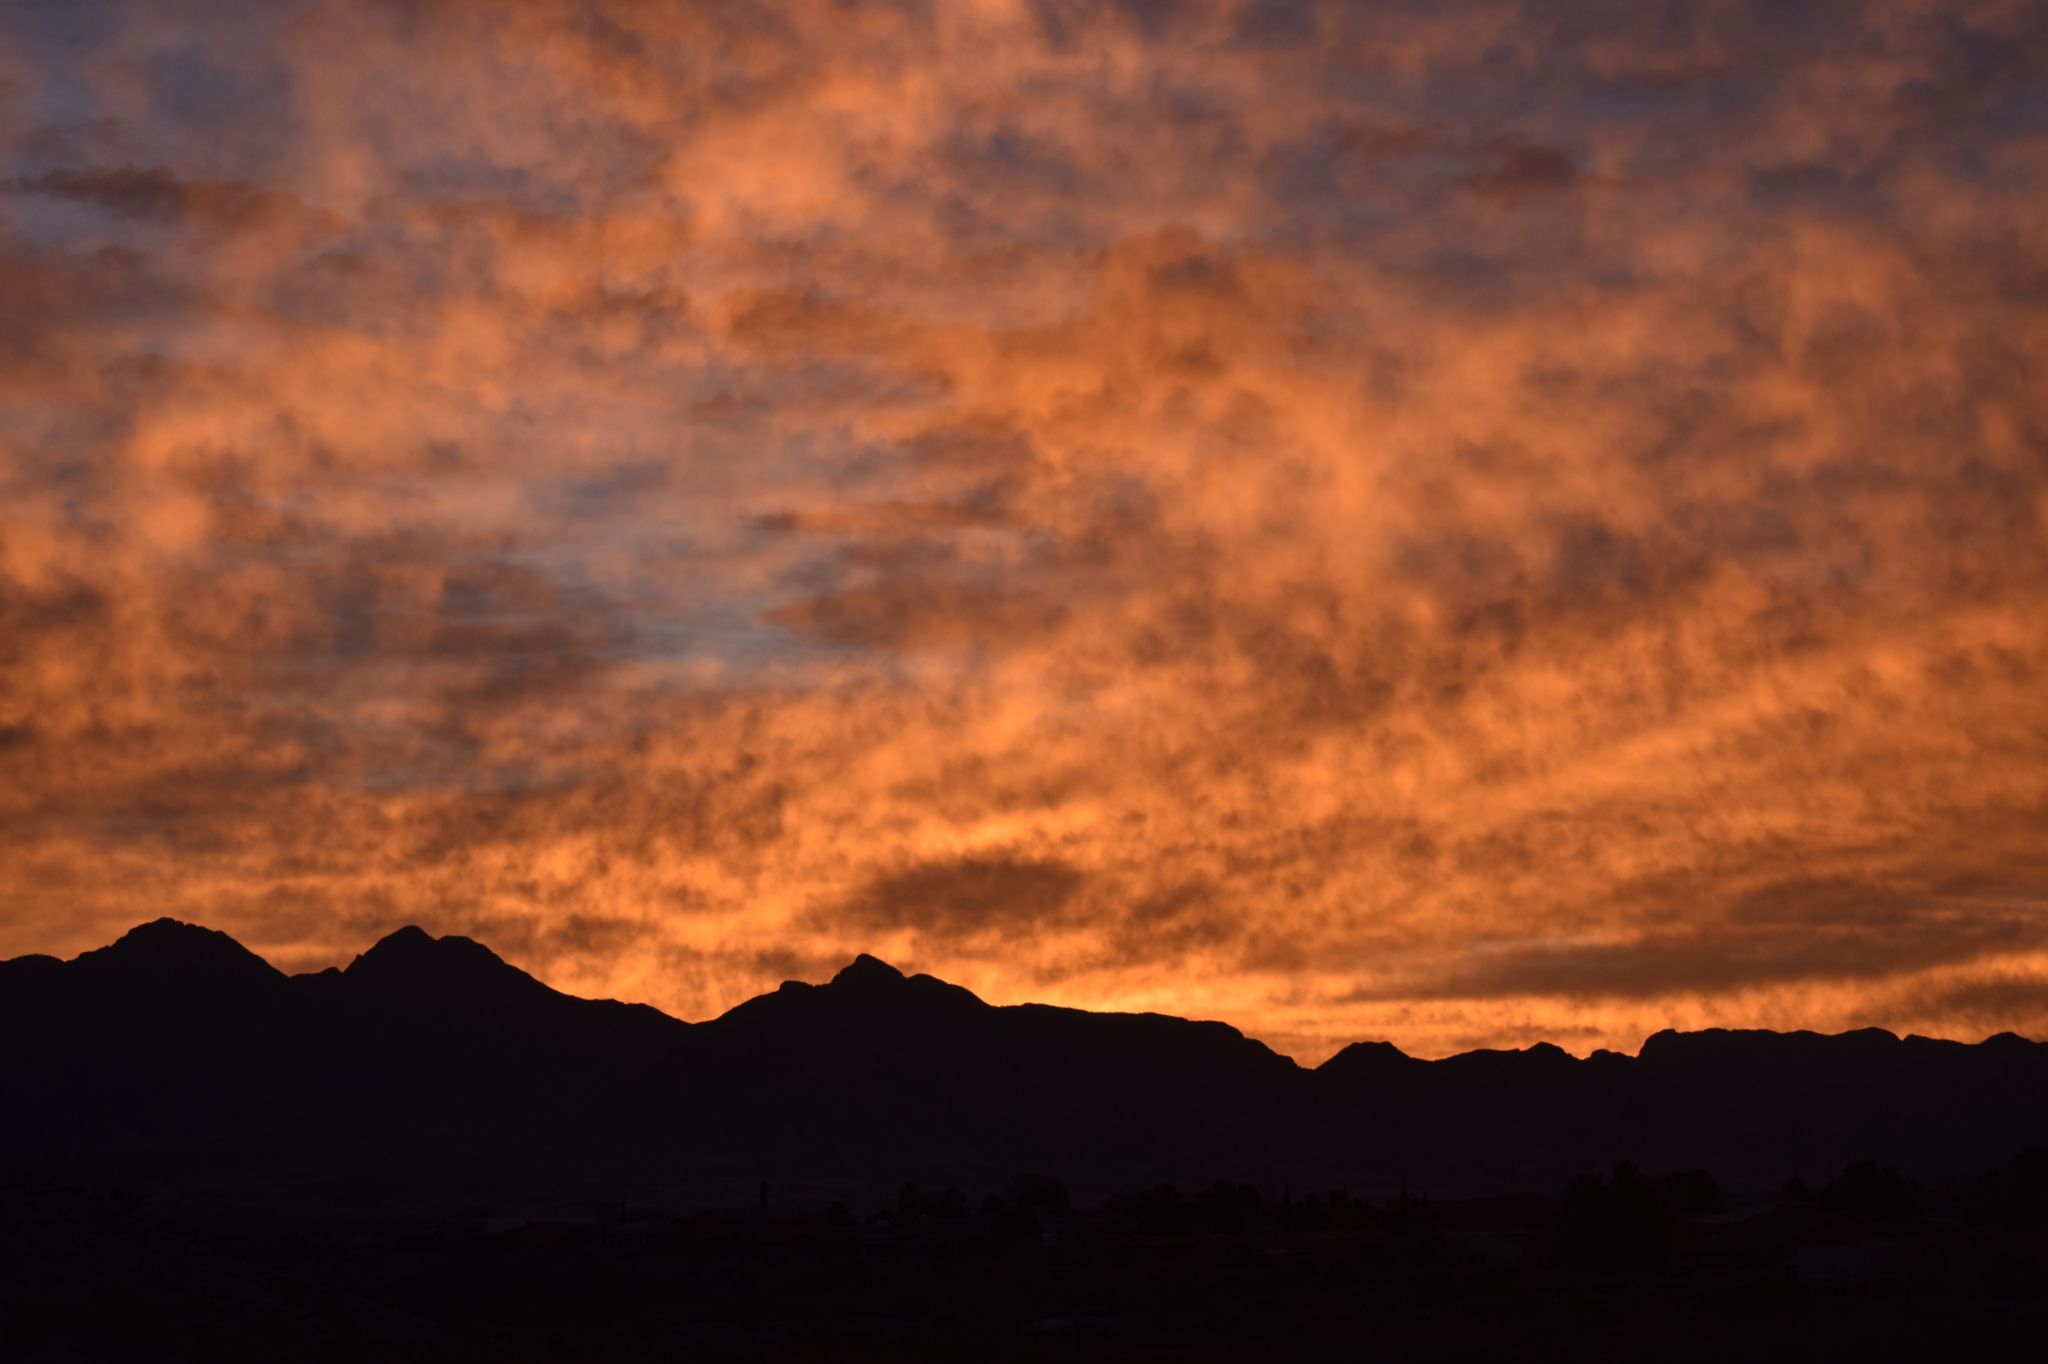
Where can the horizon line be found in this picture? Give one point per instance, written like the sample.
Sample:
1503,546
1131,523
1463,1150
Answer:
1536,1046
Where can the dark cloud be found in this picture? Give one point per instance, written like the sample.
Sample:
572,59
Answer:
1998,1002
1173,922
1513,172
965,899
29,614
1719,959
919,613
155,194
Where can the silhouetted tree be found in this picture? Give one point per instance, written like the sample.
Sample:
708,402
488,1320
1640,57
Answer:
1022,1212
1036,1193
1873,1193
1228,1207
1691,1193
1619,1221
2015,1197
1157,1211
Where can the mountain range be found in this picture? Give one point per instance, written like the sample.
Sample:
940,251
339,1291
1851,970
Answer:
430,1074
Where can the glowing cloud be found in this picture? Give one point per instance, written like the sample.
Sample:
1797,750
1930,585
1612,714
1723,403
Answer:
1447,523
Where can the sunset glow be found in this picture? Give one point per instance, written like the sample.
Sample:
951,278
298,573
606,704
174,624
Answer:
1458,524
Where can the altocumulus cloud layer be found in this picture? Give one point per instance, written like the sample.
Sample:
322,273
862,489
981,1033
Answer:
1451,522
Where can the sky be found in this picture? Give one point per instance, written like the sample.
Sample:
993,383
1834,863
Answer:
1458,523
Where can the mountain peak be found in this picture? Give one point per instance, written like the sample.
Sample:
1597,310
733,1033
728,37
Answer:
170,950
1374,1052
411,957
411,938
1371,1062
866,972
866,991
168,934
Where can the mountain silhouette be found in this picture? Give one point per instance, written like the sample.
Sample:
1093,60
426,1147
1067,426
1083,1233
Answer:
913,1073
431,1073
180,956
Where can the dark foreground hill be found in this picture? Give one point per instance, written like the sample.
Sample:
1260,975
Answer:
430,1156
178,1067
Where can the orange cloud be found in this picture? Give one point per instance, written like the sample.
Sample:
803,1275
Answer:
1453,526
